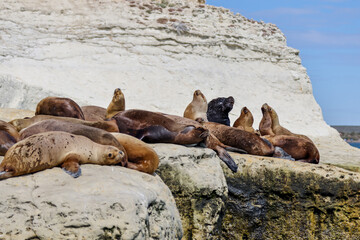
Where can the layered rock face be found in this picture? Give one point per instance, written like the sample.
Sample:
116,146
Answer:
158,52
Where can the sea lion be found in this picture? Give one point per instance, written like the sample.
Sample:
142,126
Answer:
277,128
299,148
94,113
265,123
234,137
56,106
117,104
47,150
110,126
218,110
8,136
140,155
95,134
245,121
154,127
196,110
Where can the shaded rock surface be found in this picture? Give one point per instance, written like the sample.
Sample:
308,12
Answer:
106,202
277,199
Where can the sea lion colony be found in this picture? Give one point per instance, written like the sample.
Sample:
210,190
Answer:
64,134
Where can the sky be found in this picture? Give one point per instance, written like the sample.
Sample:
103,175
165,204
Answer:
327,33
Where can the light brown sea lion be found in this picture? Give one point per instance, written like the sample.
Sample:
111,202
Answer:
95,134
234,137
110,126
47,150
277,128
94,113
245,121
141,156
155,128
196,110
8,136
299,148
62,107
117,104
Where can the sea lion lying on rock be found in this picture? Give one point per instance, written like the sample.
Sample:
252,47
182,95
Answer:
95,134
94,113
218,110
300,148
8,136
63,107
196,110
47,150
109,126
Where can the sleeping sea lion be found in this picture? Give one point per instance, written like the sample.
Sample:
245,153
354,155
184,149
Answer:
94,113
8,136
196,110
153,127
245,121
140,155
109,126
47,150
95,134
218,110
116,105
56,106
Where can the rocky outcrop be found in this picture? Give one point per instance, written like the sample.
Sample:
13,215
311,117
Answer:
277,199
104,203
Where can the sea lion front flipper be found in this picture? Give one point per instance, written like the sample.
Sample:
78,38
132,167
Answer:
237,150
280,153
71,166
226,158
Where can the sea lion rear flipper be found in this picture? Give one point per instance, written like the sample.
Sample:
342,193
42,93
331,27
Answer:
237,150
5,174
227,159
71,166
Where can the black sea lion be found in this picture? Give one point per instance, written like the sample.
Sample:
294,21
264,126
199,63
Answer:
8,136
110,126
63,107
218,110
196,110
47,150
140,155
117,104
94,113
95,134
156,128
245,121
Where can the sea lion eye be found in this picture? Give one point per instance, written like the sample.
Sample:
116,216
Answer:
110,155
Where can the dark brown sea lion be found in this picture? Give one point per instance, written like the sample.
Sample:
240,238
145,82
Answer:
8,136
56,106
299,148
47,150
141,156
245,121
94,113
234,137
117,104
154,127
95,134
277,128
196,110
110,126
266,123
218,110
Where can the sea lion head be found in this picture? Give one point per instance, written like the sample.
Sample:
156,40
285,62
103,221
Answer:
264,108
249,119
222,104
113,155
198,95
118,95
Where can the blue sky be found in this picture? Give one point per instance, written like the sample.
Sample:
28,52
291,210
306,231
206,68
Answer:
327,33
